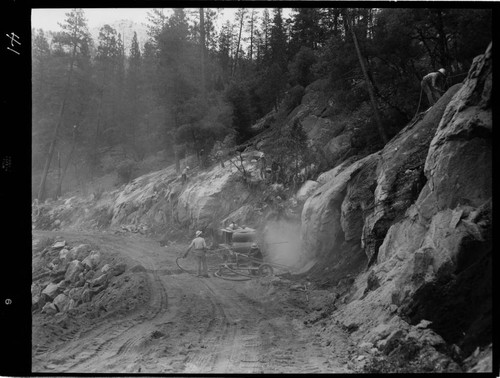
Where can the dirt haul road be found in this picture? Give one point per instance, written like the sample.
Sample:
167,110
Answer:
187,324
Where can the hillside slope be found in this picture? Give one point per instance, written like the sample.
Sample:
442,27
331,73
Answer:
421,211
403,234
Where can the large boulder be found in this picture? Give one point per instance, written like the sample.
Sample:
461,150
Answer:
101,280
75,267
317,128
61,302
118,269
86,293
49,309
105,268
459,163
143,195
322,231
63,253
81,251
88,274
400,174
76,294
92,260
306,190
59,244
38,301
51,291
358,201
212,195
71,304
35,289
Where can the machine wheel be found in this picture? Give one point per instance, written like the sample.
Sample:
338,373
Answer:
265,270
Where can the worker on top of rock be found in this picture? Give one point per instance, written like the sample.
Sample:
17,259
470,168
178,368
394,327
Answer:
220,157
200,248
433,84
184,174
262,166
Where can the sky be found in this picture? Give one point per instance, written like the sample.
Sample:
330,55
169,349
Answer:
48,19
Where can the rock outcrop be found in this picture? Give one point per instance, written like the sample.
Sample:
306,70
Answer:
358,202
155,201
434,262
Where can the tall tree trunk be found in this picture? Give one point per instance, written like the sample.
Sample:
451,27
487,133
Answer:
98,124
174,141
442,39
41,190
58,168
66,165
335,22
371,93
202,54
96,139
252,21
429,51
242,14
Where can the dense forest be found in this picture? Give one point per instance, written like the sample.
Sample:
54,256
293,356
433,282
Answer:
195,86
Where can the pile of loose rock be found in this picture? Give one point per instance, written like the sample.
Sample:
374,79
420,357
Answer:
140,228
399,347
69,277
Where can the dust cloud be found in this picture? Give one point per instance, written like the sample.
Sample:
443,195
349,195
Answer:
282,243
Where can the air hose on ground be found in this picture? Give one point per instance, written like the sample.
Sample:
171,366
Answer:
419,100
216,274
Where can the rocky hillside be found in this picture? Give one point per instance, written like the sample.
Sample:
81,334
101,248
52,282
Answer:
418,214
404,231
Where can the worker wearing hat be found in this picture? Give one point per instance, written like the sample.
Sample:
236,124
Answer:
433,84
200,248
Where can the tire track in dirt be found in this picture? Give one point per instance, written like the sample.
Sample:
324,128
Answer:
118,327
235,340
221,332
157,304
190,325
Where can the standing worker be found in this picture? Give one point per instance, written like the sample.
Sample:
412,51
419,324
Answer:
232,227
256,254
262,166
200,248
184,174
220,157
433,84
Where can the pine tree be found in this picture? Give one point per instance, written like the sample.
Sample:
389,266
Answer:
225,47
107,65
278,40
74,37
178,73
252,29
306,29
266,36
40,62
240,18
133,92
